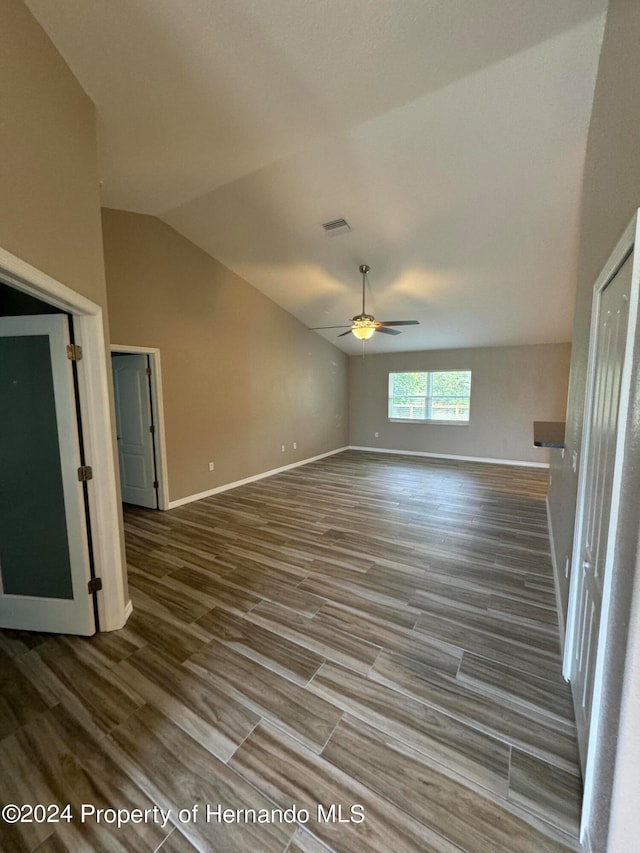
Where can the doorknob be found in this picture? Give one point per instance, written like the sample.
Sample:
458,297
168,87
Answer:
586,565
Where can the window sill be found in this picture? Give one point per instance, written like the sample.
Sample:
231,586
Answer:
425,421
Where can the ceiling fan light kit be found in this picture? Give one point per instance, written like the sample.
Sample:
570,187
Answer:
364,325
363,328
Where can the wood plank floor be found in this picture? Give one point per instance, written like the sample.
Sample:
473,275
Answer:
367,630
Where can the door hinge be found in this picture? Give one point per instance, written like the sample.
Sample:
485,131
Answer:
85,472
152,428
74,352
156,484
148,371
94,585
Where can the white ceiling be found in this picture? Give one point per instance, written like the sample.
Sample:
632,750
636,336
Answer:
449,133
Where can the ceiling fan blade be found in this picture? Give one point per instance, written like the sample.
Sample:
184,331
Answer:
342,334
315,328
386,331
398,323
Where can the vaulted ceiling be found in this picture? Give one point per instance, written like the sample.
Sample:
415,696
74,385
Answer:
449,133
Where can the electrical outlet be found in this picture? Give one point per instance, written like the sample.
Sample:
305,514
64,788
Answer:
211,466
376,435
295,445
283,448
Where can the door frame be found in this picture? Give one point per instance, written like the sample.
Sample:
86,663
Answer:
94,386
612,689
157,401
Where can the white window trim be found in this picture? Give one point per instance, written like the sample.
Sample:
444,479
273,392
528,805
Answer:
430,421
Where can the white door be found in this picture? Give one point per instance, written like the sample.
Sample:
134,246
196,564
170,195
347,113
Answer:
598,460
135,429
44,556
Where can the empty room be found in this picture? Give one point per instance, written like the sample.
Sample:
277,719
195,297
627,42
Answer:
319,426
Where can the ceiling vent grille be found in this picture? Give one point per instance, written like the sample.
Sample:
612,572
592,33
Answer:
336,226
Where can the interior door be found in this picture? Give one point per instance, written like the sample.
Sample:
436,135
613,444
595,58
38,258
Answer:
44,556
135,430
611,335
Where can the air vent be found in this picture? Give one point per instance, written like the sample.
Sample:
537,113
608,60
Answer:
336,226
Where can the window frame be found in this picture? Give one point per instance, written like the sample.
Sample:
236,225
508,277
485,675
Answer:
427,397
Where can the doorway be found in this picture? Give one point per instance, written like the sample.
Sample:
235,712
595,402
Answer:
137,387
113,602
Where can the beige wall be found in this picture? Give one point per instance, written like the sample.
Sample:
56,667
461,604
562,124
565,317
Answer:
241,376
50,207
50,211
510,388
611,194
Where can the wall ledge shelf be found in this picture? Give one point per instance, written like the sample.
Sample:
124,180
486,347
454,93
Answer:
548,433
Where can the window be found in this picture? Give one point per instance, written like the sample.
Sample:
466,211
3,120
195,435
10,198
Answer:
440,396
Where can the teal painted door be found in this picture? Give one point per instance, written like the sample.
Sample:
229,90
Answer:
44,558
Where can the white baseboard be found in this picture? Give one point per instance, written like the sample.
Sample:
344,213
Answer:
128,610
234,485
485,459
556,578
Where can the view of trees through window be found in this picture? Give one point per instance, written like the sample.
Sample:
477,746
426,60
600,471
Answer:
442,395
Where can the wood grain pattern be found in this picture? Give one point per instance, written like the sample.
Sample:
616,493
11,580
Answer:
532,732
324,640
176,842
292,774
265,647
213,719
175,771
517,687
453,810
298,711
545,789
371,629
56,761
461,748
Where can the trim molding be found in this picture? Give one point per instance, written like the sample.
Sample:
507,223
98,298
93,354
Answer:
234,485
94,378
556,577
612,704
486,459
128,610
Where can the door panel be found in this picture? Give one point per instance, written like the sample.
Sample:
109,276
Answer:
599,471
44,560
133,423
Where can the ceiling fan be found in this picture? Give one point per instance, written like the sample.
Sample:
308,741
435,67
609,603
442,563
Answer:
364,325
